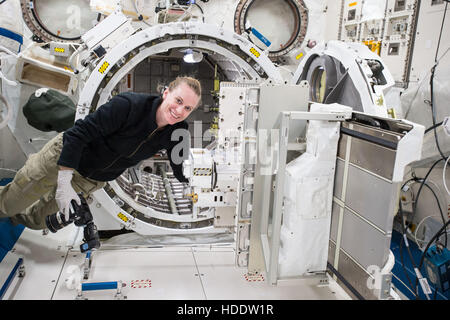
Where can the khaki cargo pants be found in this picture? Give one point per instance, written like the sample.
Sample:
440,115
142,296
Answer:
30,197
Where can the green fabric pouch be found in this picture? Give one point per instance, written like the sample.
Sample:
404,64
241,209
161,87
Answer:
49,110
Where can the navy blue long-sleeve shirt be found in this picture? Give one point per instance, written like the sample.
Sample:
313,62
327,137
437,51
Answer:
117,136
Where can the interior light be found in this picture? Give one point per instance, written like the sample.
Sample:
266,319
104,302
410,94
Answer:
192,56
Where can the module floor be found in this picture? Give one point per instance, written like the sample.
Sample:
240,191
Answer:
190,272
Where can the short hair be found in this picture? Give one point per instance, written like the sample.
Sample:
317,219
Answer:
193,83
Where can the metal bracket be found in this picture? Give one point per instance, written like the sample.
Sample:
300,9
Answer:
386,281
87,265
22,272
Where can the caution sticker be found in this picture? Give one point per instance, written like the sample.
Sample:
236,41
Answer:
141,283
254,277
103,68
122,217
202,171
254,52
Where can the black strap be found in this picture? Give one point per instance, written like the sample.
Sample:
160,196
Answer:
382,142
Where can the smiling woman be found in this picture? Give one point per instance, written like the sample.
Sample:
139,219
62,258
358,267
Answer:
180,98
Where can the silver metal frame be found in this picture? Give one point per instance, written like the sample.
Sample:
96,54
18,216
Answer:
271,247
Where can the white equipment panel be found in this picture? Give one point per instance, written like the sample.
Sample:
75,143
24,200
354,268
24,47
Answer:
351,15
426,39
398,37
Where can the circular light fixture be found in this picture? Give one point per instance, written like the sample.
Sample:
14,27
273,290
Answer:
192,56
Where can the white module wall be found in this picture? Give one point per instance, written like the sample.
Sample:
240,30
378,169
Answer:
428,28
371,30
351,15
372,20
372,24
333,20
386,27
398,37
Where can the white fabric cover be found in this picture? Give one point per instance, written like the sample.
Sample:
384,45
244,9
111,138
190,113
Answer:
308,199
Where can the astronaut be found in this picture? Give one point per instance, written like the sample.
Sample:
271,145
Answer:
129,128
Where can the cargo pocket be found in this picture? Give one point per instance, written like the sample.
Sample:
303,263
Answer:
36,179
30,184
44,163
32,172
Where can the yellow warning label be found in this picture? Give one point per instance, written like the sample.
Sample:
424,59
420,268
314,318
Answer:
352,4
374,46
104,66
60,50
122,217
254,52
202,171
299,55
